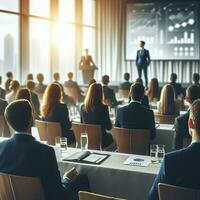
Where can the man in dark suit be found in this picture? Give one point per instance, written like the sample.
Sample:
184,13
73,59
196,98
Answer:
3,105
181,168
2,91
109,93
135,115
22,155
142,61
181,122
126,84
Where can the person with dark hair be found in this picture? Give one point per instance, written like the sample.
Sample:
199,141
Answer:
142,61
8,81
196,79
2,91
132,115
126,84
54,110
153,91
181,168
181,122
93,111
108,93
177,86
23,155
40,87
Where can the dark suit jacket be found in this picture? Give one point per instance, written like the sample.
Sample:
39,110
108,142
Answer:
36,102
2,93
143,60
177,89
179,168
125,85
181,130
110,94
136,116
22,155
3,105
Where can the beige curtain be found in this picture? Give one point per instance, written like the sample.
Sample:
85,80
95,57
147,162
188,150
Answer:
110,34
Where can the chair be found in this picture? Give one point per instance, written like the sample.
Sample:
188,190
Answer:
48,131
124,93
20,188
171,192
73,92
132,140
94,196
93,132
165,119
186,142
4,129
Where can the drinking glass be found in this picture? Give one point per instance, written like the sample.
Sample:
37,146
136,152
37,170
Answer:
161,152
57,141
153,153
84,141
63,143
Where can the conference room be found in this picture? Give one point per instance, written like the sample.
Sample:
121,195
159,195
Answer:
99,99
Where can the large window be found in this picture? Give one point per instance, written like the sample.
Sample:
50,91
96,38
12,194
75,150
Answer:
11,5
40,8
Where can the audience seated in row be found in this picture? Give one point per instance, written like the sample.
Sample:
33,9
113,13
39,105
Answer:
54,110
153,91
126,85
181,122
13,88
135,115
23,155
181,168
93,111
168,104
2,91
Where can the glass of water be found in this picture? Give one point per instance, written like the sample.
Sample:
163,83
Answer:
63,143
153,153
161,152
57,141
84,141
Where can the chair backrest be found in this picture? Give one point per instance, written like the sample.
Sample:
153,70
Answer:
20,188
186,142
73,92
135,141
94,196
4,129
165,119
124,93
171,192
48,131
93,132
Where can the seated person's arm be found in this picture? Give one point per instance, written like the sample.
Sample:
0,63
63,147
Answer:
106,118
152,125
178,139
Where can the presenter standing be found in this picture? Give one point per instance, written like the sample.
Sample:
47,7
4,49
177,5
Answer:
142,61
87,66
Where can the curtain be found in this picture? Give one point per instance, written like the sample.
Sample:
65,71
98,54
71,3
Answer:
110,38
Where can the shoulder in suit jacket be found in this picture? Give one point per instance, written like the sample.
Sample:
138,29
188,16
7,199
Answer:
125,85
3,105
181,130
2,93
136,116
110,94
179,168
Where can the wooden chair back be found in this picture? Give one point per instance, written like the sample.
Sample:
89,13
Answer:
73,92
48,131
165,119
124,93
171,192
186,142
93,132
4,128
134,141
93,196
20,188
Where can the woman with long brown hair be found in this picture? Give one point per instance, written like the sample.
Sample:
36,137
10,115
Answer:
54,110
14,87
168,104
93,111
153,91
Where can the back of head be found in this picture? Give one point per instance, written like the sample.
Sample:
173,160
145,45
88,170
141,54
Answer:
193,93
105,79
23,94
196,78
153,90
56,76
19,115
167,100
14,85
30,85
139,80
70,75
195,114
94,97
137,91
40,78
126,76
52,97
173,77
9,75
29,77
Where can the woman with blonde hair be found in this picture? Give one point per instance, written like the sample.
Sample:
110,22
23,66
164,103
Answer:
153,91
54,110
168,104
93,111
14,87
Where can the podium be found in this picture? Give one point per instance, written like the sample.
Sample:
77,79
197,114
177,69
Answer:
87,73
